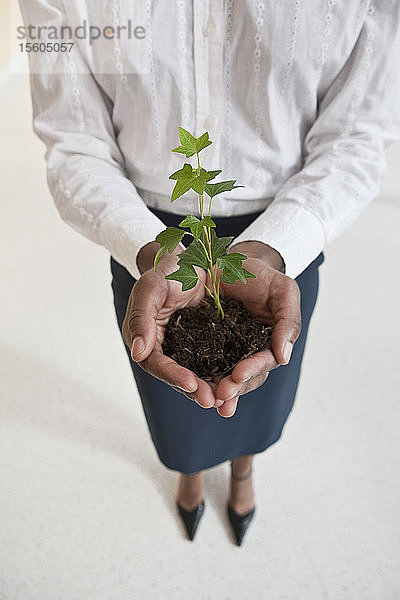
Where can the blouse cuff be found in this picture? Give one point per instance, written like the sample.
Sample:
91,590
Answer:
124,235
293,231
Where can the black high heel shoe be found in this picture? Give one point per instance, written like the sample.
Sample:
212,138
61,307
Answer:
240,523
191,519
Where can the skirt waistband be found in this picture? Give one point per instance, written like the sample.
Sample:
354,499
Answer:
224,225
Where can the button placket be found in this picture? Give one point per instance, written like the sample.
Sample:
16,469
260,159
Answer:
208,60
200,59
215,66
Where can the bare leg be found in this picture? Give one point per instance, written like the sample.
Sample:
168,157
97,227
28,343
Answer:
190,491
242,492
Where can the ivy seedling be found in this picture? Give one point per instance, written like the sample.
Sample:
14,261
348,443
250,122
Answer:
206,249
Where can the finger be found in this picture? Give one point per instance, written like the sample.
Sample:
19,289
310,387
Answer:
146,302
204,395
284,335
255,367
164,368
228,388
228,409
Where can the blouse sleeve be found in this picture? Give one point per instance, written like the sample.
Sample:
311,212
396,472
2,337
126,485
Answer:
344,150
85,167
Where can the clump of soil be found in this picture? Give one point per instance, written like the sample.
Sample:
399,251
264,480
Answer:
200,340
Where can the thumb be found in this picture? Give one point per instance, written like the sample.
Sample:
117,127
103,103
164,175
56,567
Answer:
286,306
146,300
284,335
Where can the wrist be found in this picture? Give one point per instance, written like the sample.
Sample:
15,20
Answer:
255,249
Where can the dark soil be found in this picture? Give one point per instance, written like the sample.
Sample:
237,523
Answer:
210,346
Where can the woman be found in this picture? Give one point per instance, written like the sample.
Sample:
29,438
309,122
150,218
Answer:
301,101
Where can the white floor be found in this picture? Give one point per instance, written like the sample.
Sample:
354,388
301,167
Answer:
86,509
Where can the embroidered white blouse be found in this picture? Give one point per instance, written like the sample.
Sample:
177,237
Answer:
300,97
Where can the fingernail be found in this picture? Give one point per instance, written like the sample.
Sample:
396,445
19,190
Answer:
137,346
287,352
228,416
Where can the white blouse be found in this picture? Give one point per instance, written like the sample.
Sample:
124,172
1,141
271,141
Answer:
299,97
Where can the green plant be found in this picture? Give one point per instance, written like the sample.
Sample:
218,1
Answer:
206,250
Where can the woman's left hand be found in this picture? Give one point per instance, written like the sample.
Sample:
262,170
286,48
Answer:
273,297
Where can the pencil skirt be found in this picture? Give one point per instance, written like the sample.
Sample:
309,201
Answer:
189,438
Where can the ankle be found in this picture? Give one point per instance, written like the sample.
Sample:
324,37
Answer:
190,489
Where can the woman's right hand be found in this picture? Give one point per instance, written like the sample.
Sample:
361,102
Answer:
152,301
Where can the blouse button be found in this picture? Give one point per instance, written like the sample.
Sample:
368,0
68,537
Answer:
208,28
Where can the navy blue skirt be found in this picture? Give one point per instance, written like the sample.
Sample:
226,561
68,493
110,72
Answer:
189,438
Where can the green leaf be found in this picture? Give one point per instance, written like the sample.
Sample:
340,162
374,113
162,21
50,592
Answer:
218,245
187,178
248,275
194,255
212,174
188,143
208,222
184,173
232,257
191,145
181,187
195,225
199,182
231,276
212,189
170,238
233,269
189,221
202,142
186,275
162,250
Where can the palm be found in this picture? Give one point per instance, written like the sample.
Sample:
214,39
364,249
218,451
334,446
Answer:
255,294
271,297
175,299
152,302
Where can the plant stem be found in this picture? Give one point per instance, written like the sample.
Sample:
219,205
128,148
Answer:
222,311
208,290
206,251
211,272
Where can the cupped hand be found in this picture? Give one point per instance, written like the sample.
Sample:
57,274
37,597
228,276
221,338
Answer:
152,301
271,297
